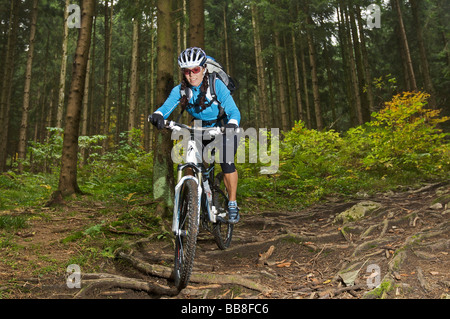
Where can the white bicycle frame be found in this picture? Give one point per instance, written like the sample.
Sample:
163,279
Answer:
193,156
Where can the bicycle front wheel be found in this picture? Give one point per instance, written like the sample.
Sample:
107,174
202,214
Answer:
186,239
222,232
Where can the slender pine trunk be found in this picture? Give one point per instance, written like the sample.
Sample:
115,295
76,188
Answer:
68,184
27,88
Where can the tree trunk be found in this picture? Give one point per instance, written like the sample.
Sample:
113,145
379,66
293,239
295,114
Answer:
314,77
134,85
88,85
346,64
107,75
41,117
49,117
423,54
68,176
8,72
92,83
365,58
352,66
305,85
404,41
85,103
298,92
146,141
27,87
361,80
62,74
226,41
185,24
331,82
280,83
179,26
152,79
262,87
162,163
148,84
290,89
197,23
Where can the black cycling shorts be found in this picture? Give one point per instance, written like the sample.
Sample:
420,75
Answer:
229,144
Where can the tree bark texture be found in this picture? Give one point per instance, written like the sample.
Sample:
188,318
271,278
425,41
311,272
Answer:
8,72
162,146
27,87
134,86
283,104
68,176
262,88
62,74
197,23
298,92
107,75
314,77
365,58
353,68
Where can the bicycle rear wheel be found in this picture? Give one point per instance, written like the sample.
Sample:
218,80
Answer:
222,231
186,240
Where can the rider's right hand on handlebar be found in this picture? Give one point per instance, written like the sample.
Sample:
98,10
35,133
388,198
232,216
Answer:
157,120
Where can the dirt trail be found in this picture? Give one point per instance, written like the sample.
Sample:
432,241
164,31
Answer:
400,244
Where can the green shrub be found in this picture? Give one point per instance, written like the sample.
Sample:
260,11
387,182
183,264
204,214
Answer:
401,145
404,135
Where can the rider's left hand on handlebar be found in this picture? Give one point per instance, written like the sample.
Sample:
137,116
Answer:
157,120
231,125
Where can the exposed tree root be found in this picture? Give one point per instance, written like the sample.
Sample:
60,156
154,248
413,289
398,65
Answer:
102,281
208,278
146,268
338,291
196,277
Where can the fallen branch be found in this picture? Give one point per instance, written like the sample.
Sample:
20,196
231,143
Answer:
264,256
314,259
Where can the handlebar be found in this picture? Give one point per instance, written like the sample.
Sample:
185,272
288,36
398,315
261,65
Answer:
172,125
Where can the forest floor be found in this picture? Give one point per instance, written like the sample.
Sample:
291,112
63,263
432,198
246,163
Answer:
400,244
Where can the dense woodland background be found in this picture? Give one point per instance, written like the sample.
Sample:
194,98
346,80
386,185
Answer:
295,60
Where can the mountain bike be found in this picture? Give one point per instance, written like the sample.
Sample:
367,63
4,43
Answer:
200,200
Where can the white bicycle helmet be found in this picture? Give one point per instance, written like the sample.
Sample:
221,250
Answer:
192,57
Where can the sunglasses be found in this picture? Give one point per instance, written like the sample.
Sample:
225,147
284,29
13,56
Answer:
195,70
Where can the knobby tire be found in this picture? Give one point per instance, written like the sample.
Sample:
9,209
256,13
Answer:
185,243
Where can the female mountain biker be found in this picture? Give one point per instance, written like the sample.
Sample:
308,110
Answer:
193,95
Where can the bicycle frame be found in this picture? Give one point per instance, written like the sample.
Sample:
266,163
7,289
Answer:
195,162
207,215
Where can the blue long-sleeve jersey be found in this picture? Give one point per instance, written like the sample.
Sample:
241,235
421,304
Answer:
211,112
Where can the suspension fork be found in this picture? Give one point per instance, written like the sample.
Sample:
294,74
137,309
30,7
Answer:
180,181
